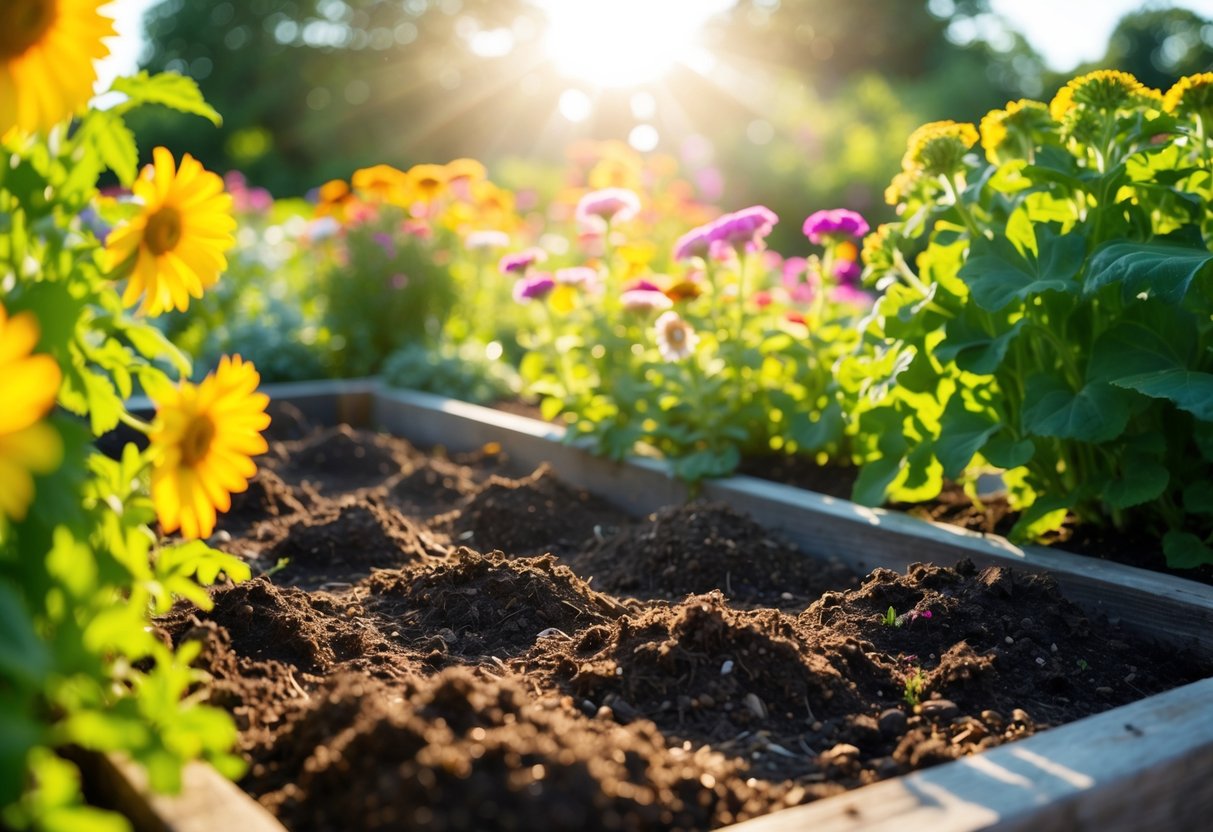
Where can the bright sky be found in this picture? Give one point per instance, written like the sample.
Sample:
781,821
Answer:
1066,32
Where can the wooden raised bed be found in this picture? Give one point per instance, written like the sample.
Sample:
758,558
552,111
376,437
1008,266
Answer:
1142,766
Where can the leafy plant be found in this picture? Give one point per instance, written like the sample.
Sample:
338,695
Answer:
462,371
81,569
1047,310
913,687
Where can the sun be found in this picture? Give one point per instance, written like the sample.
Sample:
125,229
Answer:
624,43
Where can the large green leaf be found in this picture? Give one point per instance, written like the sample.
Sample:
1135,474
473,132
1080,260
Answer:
811,435
1096,413
1152,339
972,346
1144,481
1185,550
1157,269
997,273
1005,452
963,432
107,134
166,88
1189,390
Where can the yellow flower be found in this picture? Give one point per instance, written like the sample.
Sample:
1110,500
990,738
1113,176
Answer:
28,386
1105,90
203,441
938,147
47,50
1020,118
175,248
427,182
381,183
464,170
1192,94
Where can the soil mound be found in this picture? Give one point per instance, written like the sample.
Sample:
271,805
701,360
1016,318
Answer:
433,487
266,498
460,752
488,605
704,546
533,515
350,540
703,668
344,458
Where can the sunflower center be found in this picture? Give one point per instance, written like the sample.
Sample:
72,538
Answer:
22,24
197,440
163,230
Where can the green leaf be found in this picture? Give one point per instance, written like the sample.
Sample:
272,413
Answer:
1198,497
810,434
1189,390
169,89
1096,413
113,141
1185,550
706,464
1043,516
1143,482
962,433
1154,339
997,273
872,484
23,657
1157,269
1004,452
972,347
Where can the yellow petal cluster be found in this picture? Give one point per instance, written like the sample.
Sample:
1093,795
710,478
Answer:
1105,90
47,50
175,248
203,442
29,384
1191,94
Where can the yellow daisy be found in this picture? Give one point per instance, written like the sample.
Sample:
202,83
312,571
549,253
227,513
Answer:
1191,94
428,182
939,147
47,50
1105,90
203,441
175,248
464,170
381,183
28,386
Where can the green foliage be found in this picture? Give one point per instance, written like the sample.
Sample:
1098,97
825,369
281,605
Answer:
81,573
1052,304
462,371
387,290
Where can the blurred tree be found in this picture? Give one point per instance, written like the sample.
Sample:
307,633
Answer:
1159,46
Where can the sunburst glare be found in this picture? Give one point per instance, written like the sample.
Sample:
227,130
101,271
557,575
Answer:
623,43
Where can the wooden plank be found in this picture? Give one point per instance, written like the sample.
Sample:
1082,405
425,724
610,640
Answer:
1144,766
207,801
1154,604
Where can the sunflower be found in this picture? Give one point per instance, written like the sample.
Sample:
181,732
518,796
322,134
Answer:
28,386
174,249
47,50
203,441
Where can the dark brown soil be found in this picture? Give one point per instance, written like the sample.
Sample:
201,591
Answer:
412,658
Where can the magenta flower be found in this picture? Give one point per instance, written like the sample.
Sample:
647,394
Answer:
695,243
851,296
520,261
744,229
607,205
537,286
847,272
386,242
642,285
577,276
801,283
839,222
645,300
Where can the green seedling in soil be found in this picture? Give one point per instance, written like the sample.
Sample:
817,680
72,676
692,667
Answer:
914,684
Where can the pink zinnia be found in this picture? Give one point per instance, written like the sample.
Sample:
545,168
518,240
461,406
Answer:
537,286
645,300
520,261
745,228
839,222
695,243
607,205
577,276
847,272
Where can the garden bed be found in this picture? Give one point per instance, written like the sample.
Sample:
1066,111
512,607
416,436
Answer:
392,669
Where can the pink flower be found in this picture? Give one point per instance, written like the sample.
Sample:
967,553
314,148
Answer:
839,222
645,300
847,272
744,229
520,261
695,243
762,299
643,285
537,286
607,205
801,283
851,296
577,276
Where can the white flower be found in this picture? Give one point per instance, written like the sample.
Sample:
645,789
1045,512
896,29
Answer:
676,339
486,239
